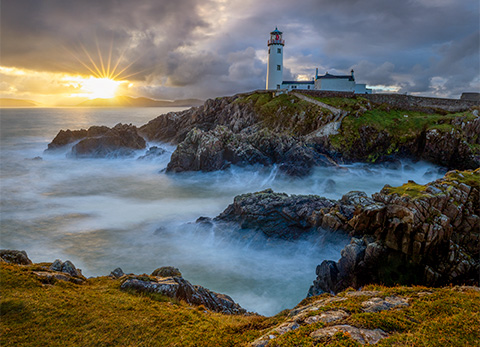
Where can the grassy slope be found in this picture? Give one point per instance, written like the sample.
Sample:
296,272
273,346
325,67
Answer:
294,116
401,125
435,317
98,313
286,112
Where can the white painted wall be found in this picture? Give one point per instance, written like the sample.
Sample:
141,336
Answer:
274,76
335,84
362,89
298,86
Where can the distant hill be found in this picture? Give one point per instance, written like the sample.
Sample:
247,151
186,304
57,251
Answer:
127,101
5,102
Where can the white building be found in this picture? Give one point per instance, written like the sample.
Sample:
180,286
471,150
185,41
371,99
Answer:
275,60
327,82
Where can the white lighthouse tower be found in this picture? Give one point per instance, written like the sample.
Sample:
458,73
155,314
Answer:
275,60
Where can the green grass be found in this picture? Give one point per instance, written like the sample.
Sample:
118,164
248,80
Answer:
286,113
446,317
414,190
98,313
395,127
347,104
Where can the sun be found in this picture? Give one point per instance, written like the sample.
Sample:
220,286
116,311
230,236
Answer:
104,88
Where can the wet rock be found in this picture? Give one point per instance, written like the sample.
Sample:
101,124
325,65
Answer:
117,273
179,288
167,271
152,153
423,236
100,142
330,186
276,214
15,257
363,336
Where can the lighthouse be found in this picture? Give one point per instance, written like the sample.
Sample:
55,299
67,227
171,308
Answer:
275,60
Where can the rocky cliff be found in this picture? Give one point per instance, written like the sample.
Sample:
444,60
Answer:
413,234
296,132
300,131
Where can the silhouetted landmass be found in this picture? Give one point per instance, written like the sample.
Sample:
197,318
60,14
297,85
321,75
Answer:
127,101
6,102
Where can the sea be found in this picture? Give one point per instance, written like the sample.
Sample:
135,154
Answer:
127,212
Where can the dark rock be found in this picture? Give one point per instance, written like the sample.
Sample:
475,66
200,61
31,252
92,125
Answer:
117,273
277,214
167,271
66,267
427,239
393,164
121,140
152,153
330,186
179,288
15,257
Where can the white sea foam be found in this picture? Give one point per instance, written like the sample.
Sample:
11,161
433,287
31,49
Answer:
105,213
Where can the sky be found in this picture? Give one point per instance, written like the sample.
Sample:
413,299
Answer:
51,50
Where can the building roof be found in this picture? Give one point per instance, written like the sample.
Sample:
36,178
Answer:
329,76
298,82
276,31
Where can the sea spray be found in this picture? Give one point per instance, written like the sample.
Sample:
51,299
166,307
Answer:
105,213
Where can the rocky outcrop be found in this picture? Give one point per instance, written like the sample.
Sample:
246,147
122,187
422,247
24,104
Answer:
219,148
334,313
14,257
100,141
173,127
59,271
278,214
412,234
169,282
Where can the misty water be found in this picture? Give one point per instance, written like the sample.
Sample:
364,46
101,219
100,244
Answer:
108,213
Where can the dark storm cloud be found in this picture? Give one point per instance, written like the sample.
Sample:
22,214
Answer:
188,48
50,35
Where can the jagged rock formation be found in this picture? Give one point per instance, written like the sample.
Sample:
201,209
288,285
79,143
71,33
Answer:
296,132
14,257
100,141
278,214
409,235
168,281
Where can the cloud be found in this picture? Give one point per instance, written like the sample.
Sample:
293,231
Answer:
193,48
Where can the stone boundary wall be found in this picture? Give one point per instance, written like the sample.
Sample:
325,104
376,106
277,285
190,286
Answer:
406,102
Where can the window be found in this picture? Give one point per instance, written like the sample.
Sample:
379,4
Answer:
308,87
279,67
279,50
278,86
